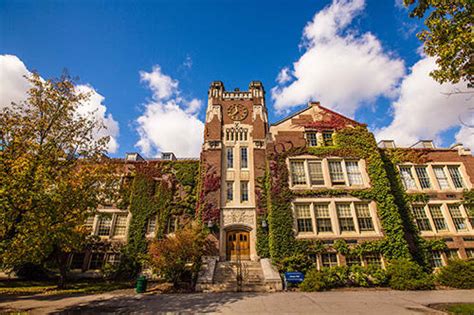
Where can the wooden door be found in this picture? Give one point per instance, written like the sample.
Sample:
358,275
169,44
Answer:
238,244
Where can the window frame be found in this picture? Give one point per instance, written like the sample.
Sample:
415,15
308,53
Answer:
244,166
244,184
230,158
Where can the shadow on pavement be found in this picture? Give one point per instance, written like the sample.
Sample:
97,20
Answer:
159,303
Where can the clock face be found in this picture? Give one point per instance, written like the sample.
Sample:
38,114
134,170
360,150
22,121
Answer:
237,112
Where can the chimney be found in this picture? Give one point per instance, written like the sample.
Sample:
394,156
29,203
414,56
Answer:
386,144
423,144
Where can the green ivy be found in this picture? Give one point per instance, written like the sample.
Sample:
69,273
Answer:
155,190
355,142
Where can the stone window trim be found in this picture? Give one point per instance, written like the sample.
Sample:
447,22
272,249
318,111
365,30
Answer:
334,219
349,182
450,221
454,176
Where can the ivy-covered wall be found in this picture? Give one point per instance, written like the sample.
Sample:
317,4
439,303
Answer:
155,190
351,142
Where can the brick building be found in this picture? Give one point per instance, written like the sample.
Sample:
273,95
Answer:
237,148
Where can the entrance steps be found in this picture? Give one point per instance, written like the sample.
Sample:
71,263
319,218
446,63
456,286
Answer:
230,276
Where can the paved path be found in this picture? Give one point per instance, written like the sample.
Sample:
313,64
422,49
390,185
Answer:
333,302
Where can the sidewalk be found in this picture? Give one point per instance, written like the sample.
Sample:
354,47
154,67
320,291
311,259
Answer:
333,302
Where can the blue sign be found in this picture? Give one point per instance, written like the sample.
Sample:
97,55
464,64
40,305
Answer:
294,277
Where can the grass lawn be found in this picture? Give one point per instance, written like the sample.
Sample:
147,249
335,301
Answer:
18,287
458,309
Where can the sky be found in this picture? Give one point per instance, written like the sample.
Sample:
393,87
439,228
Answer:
148,65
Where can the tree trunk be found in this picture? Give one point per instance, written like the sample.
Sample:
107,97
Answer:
62,265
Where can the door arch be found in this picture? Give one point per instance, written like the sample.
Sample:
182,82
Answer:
238,245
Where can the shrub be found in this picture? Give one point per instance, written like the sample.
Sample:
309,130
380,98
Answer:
178,257
405,274
371,275
457,274
325,279
297,262
314,280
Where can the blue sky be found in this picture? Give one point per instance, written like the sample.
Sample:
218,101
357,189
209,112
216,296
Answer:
109,43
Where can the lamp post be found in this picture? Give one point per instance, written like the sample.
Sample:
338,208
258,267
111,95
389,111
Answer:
210,224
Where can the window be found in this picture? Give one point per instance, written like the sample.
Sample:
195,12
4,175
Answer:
89,224
407,177
423,177
298,176
373,259
312,139
337,175
105,224
120,225
97,261
113,259
438,219
436,259
329,260
323,219
452,254
346,222
151,225
309,172
470,214
363,217
421,219
456,176
441,177
77,261
244,163
458,220
244,191
230,157
327,138
353,173
353,260
469,252
303,218
172,224
230,191
315,173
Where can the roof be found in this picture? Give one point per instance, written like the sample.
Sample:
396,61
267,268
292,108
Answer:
309,107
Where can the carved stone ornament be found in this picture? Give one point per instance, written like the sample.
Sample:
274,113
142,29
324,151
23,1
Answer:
238,216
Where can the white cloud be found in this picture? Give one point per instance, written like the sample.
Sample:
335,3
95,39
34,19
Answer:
94,107
284,75
14,87
341,69
423,109
170,121
188,62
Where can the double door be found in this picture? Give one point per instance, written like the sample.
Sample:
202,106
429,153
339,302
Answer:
238,245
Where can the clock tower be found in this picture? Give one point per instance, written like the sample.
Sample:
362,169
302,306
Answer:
235,136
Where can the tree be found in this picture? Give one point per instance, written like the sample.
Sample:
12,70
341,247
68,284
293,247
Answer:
171,256
52,175
448,37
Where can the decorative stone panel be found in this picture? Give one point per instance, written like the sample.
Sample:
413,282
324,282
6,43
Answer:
238,216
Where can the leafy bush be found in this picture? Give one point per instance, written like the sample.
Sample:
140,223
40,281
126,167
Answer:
405,274
325,279
177,258
371,275
297,262
457,274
